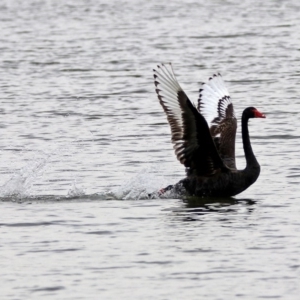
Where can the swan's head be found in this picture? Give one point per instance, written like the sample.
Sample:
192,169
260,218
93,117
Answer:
252,112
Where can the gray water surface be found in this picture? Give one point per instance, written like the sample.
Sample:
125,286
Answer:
83,140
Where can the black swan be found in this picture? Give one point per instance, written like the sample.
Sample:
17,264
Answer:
208,153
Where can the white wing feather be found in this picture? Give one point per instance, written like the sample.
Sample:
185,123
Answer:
214,100
167,89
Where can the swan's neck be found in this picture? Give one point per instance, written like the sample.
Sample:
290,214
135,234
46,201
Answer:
250,158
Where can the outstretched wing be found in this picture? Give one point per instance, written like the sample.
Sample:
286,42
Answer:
215,105
192,141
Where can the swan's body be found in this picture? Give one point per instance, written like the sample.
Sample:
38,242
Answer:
208,153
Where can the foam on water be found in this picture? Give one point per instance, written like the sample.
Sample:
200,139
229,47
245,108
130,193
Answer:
144,185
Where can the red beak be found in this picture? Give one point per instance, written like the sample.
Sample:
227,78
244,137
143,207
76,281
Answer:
258,114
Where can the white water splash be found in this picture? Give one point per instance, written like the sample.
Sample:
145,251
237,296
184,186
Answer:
75,190
20,184
143,185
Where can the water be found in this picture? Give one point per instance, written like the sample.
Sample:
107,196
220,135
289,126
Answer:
83,140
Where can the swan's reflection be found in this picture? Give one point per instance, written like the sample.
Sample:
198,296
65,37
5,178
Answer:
194,207
194,202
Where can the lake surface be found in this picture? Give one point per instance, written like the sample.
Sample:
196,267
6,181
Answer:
84,140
